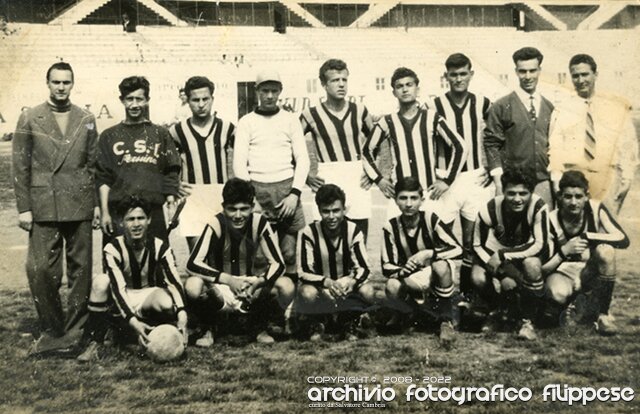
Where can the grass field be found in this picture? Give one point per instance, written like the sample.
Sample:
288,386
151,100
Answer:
239,376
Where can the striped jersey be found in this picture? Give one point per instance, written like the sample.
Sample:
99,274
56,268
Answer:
320,256
337,138
598,227
204,157
222,248
398,245
512,235
468,122
413,147
156,268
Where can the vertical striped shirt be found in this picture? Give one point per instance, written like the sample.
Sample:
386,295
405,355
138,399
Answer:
156,268
598,227
398,245
204,158
221,248
511,235
320,256
413,144
337,139
468,121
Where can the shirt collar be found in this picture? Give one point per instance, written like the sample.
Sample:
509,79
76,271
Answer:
144,121
267,113
525,97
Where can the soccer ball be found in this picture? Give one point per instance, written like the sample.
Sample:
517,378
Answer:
165,343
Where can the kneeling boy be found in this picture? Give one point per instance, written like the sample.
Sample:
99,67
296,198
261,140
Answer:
332,264
417,249
223,261
142,277
585,236
510,237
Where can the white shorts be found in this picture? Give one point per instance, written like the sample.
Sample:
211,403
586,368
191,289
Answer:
423,277
466,196
572,270
137,297
204,202
346,175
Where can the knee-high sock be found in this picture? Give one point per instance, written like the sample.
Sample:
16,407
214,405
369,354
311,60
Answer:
605,292
444,295
531,296
96,326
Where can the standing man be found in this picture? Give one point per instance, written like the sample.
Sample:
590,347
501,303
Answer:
414,133
136,157
594,134
205,143
517,132
466,112
271,153
338,129
54,150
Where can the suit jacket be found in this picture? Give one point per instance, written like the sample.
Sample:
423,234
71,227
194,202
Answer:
511,138
54,171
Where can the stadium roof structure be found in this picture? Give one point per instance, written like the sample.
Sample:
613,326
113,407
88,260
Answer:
548,14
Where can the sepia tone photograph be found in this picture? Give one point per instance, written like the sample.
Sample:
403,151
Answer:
281,206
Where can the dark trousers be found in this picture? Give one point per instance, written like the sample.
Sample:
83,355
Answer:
44,271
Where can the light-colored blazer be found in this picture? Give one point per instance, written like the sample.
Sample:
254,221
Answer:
53,172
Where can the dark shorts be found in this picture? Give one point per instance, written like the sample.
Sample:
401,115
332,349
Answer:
268,195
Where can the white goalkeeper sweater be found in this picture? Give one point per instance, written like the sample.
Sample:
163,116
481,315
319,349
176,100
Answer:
270,147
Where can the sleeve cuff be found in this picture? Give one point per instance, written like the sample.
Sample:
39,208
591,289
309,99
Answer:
495,171
501,255
295,192
377,179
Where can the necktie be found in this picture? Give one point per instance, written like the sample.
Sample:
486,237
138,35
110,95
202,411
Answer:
590,136
532,108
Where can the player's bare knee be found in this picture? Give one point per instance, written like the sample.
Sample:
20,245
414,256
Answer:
285,287
162,301
532,269
605,254
100,284
478,276
193,287
393,288
557,293
367,292
507,284
307,293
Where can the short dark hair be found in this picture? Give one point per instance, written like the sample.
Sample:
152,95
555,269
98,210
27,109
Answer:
573,178
408,184
133,83
60,66
527,53
403,73
197,82
516,176
236,191
331,64
329,194
132,202
456,61
584,58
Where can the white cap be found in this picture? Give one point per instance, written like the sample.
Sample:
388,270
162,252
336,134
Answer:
268,75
